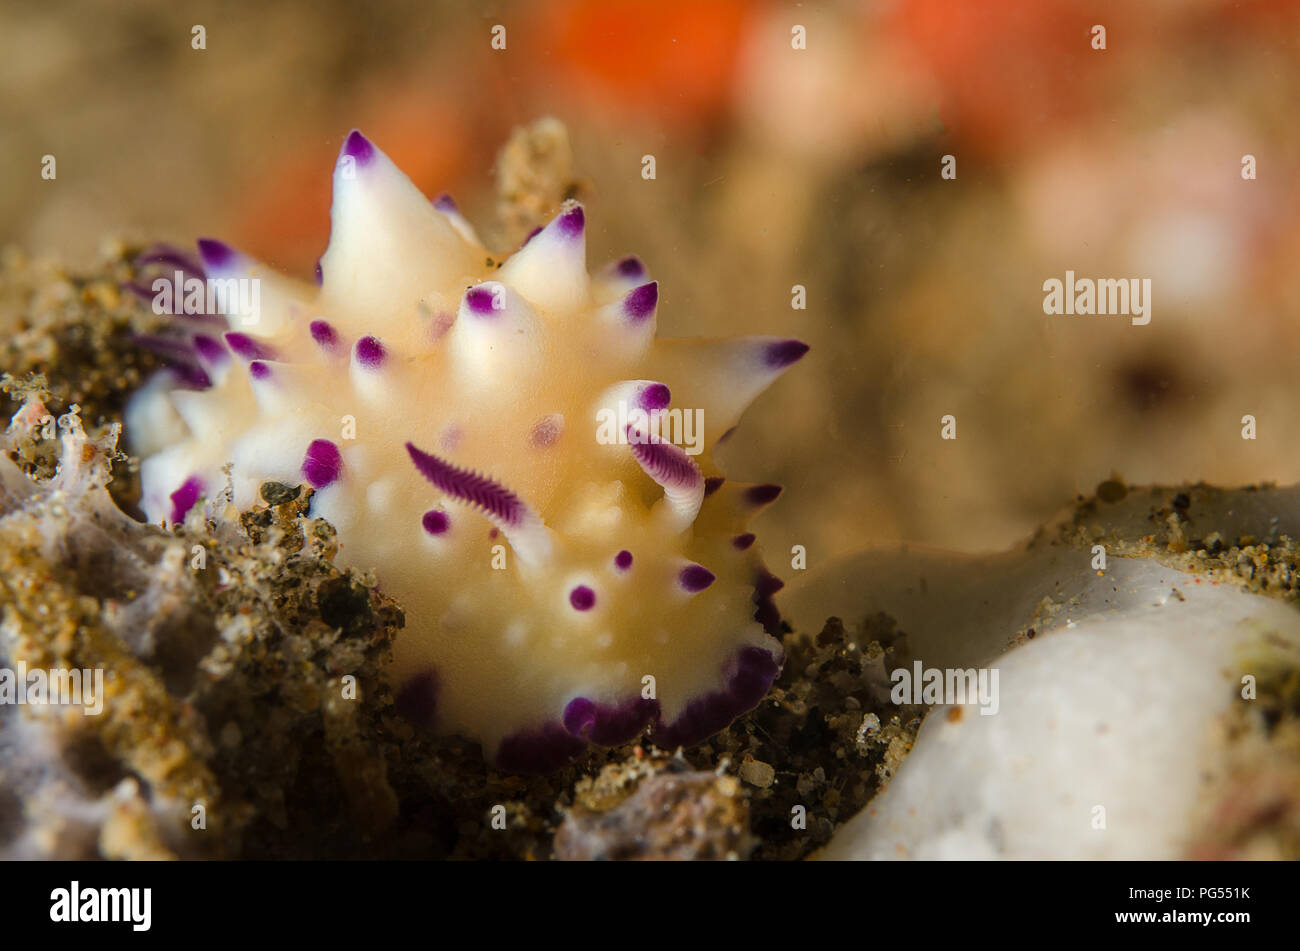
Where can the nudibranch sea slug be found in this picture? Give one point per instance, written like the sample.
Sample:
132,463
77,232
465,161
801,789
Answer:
483,435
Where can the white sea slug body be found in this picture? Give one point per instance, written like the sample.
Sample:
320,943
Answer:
479,433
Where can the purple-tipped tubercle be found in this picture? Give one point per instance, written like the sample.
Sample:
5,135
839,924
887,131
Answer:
571,223
641,302
358,148
481,299
743,542
623,560
216,255
183,498
318,274
713,484
324,334
630,267
446,204
210,350
783,353
370,353
259,370
322,464
765,494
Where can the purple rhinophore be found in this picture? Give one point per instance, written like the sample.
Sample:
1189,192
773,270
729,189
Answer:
489,496
216,255
318,274
641,301
668,465
779,355
370,353
259,370
607,725
435,522
183,499
322,463
446,204
713,484
623,560
743,542
582,598
749,676
210,350
655,396
323,332
250,348
538,751
695,578
765,494
417,699
630,267
571,222
359,148
481,299
546,431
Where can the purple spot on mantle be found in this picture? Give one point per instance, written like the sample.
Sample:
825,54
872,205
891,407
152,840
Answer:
359,148
571,222
216,255
748,676
655,396
183,499
764,494
417,700
435,522
322,464
370,352
546,431
582,598
324,334
781,354
743,542
695,578
623,560
641,301
259,370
